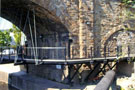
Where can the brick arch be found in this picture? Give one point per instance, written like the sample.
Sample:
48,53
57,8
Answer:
111,33
59,9
46,21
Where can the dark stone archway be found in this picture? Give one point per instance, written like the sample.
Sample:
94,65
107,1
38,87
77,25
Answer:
49,26
16,12
120,37
121,40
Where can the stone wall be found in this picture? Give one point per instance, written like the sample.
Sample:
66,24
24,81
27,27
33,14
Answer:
77,16
89,23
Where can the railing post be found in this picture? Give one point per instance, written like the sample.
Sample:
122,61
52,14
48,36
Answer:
22,52
105,52
1,52
30,49
128,51
91,53
98,51
69,44
117,51
121,50
68,49
85,51
65,53
9,53
26,50
108,51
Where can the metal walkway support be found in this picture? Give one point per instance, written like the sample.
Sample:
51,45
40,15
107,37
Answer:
106,82
76,71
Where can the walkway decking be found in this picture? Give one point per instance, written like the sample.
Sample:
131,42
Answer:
11,59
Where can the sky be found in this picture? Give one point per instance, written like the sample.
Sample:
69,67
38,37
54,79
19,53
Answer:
4,24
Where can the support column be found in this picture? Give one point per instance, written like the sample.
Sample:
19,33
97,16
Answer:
85,27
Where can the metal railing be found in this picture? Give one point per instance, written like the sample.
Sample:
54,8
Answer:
44,52
39,54
106,51
62,53
33,53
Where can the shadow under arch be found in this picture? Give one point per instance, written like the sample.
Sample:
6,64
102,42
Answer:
47,25
16,12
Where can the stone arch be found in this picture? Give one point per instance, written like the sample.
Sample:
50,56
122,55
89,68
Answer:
115,37
109,36
47,22
110,33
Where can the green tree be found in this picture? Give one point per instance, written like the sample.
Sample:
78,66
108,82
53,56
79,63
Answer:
17,34
5,38
129,3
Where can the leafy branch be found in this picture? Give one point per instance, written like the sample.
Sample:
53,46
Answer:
17,34
129,3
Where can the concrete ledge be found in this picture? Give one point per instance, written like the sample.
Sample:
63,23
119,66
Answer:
19,79
6,70
23,81
12,75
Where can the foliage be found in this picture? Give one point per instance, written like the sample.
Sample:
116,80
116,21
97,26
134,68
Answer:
17,34
5,38
128,12
130,3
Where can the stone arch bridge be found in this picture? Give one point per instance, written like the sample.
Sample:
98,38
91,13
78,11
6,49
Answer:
89,23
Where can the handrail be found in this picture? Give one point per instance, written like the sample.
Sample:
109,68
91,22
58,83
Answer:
47,47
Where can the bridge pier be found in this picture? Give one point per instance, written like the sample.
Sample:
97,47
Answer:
126,68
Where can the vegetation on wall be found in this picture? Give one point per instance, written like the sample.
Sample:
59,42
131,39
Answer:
128,13
129,3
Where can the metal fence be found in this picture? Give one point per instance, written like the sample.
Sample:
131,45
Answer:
44,52
63,53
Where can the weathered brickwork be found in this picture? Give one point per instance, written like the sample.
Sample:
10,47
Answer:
109,18
92,23
77,16
89,23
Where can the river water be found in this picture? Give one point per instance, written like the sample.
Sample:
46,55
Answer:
4,86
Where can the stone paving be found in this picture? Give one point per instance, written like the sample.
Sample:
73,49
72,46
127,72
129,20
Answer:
11,74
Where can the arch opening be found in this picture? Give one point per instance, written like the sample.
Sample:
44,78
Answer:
122,39
49,29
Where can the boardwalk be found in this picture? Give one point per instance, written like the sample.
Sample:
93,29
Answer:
7,59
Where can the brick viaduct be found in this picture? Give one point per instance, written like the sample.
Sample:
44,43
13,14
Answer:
89,23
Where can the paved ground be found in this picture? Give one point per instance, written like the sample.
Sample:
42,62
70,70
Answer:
4,86
12,74
9,68
126,83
